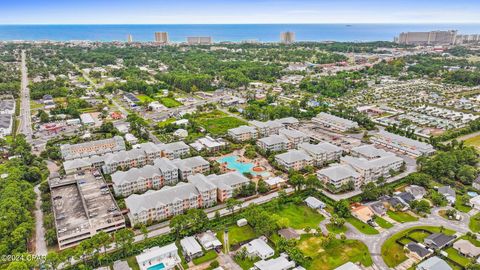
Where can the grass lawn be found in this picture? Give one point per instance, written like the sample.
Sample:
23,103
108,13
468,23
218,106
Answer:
247,263
132,262
208,256
461,207
338,252
383,223
237,234
335,229
169,102
393,253
217,122
474,141
361,226
474,224
300,216
144,98
457,257
401,217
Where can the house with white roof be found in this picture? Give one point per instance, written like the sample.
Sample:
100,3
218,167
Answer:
259,248
208,240
433,263
314,203
279,263
166,255
191,248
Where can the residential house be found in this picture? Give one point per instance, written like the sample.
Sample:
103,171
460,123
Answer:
314,203
448,193
438,240
279,263
166,256
433,263
466,248
191,248
417,250
208,240
363,213
348,266
259,248
289,234
417,191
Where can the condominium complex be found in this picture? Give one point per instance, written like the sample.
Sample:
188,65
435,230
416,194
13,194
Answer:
287,37
338,175
192,165
334,122
170,201
83,206
88,149
427,38
7,110
199,40
272,127
227,184
273,143
161,37
372,170
294,160
243,133
321,153
402,144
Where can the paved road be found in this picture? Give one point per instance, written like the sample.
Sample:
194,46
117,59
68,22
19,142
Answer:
375,242
25,124
40,243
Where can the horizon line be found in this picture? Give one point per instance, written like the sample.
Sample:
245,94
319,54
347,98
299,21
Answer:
278,23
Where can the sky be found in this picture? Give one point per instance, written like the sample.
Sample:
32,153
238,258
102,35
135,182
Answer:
237,11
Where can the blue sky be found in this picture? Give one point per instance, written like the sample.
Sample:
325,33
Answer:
237,11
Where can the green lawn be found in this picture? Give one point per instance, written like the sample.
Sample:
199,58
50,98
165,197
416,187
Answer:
237,234
474,141
170,102
361,226
208,256
461,207
474,224
401,217
338,252
145,98
383,223
247,263
335,229
300,216
457,257
217,122
132,262
393,253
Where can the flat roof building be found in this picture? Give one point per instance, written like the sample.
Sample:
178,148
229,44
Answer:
334,122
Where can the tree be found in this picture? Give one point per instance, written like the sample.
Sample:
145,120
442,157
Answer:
342,208
466,174
262,187
144,231
52,260
297,180
312,181
192,221
231,204
124,239
337,221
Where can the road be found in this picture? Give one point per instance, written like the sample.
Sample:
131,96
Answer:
375,242
40,243
25,124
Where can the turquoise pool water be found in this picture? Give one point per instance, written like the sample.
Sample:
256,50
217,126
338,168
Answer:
241,167
156,267
472,193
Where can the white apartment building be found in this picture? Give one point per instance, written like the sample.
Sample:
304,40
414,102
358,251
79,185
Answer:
338,175
402,144
294,159
273,143
321,153
294,137
192,165
371,170
243,133
266,128
334,122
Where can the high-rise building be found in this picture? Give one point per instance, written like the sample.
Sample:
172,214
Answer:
199,40
129,38
287,37
161,37
427,38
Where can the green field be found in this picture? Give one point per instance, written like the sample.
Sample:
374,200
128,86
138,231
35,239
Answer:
145,98
208,256
333,255
237,234
393,253
300,216
217,122
474,141
401,217
361,226
383,223
474,224
170,102
457,257
335,229
460,206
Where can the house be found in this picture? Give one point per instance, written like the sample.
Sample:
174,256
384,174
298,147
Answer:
314,203
378,208
87,119
438,240
181,133
209,143
121,265
348,266
6,124
476,183
208,240
475,202
131,139
466,248
288,234
363,213
242,222
417,250
406,197
280,263
191,248
417,191
166,255
434,263
259,248
398,203
448,193
156,106
294,160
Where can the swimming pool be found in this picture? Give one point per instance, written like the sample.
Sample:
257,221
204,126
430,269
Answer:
472,193
156,267
241,167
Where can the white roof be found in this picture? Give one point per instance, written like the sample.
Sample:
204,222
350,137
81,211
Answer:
260,247
348,266
154,252
339,172
280,263
190,245
275,180
314,201
293,156
87,118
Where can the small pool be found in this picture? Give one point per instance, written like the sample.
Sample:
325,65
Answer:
472,193
156,267
241,167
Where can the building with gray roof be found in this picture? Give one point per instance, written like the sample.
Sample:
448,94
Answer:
402,144
338,175
433,263
334,122
294,160
227,184
243,133
192,165
322,152
88,149
273,143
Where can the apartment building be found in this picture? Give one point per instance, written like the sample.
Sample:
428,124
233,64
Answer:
161,37
294,137
227,184
427,38
338,175
334,122
88,149
192,165
322,152
162,172
402,144
266,128
208,143
124,160
371,170
294,160
273,143
287,37
199,40
369,152
175,150
170,201
243,133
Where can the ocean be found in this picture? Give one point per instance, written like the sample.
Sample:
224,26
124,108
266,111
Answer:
224,32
